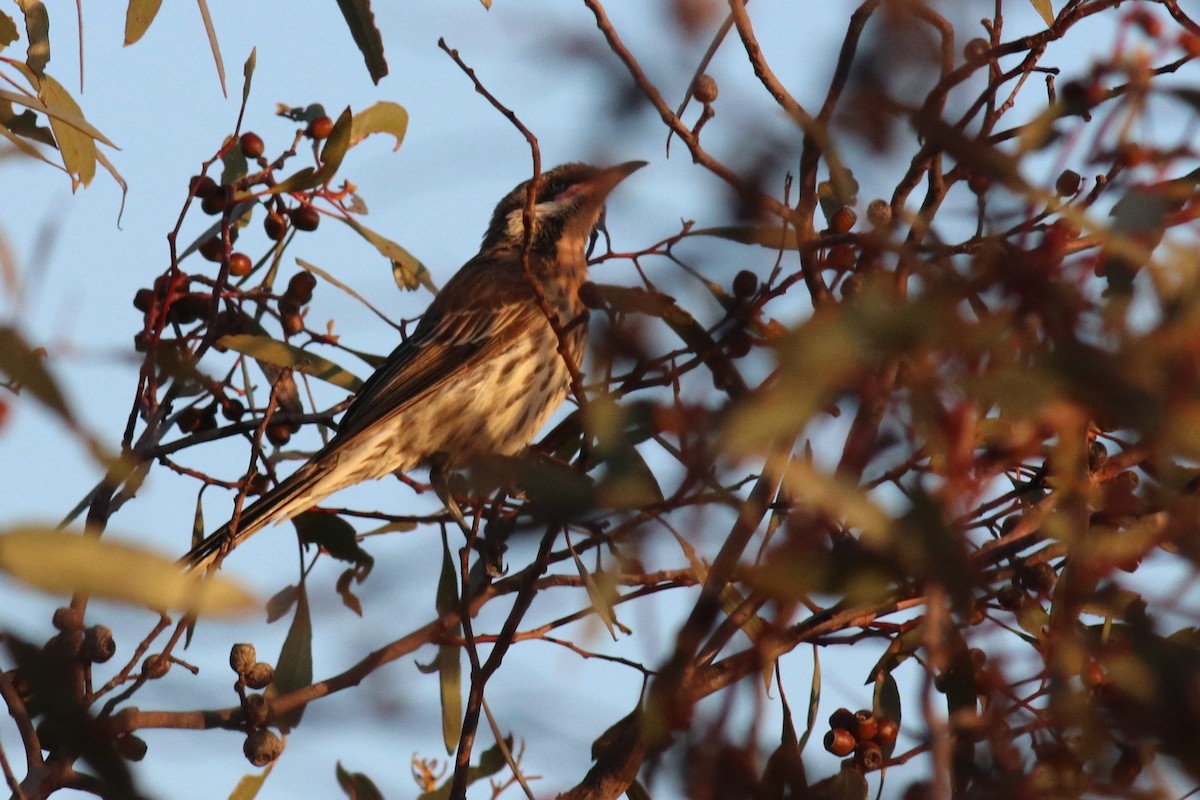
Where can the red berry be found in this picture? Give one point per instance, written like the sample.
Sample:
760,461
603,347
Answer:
240,265
840,742
320,128
843,220
252,145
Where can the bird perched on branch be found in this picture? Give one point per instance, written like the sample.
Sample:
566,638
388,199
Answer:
483,370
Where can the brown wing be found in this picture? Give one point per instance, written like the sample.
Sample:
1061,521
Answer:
474,318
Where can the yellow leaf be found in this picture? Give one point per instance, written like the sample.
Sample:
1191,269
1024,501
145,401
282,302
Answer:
1044,8
65,563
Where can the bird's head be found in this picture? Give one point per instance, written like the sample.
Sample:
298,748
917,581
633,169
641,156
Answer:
567,207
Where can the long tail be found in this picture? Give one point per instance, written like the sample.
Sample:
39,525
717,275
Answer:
289,498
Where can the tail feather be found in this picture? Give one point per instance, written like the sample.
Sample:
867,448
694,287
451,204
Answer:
285,501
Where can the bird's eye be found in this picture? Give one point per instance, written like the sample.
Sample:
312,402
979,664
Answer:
557,185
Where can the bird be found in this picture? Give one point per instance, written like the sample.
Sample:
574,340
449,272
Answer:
481,373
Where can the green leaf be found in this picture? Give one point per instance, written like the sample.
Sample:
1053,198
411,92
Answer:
8,30
247,73
771,236
449,657
299,182
138,17
356,785
383,117
1044,8
65,563
37,28
294,670
886,703
281,354
213,45
332,534
233,165
408,271
249,786
77,147
335,148
361,22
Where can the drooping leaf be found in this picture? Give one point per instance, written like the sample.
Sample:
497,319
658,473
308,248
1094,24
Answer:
74,119
138,17
449,657
233,164
356,785
213,45
294,669
335,148
602,601
281,602
249,786
886,704
282,354
248,73
24,124
361,22
332,534
1044,8
408,271
78,148
37,30
24,366
66,563
8,30
383,117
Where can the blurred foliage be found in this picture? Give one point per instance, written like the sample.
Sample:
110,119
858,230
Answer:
956,426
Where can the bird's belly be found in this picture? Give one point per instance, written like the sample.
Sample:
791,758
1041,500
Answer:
496,408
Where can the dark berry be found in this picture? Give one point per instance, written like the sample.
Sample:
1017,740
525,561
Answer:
279,433
215,202
212,248
233,409
202,186
143,299
301,286
305,218
1068,183
275,226
745,284
706,89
